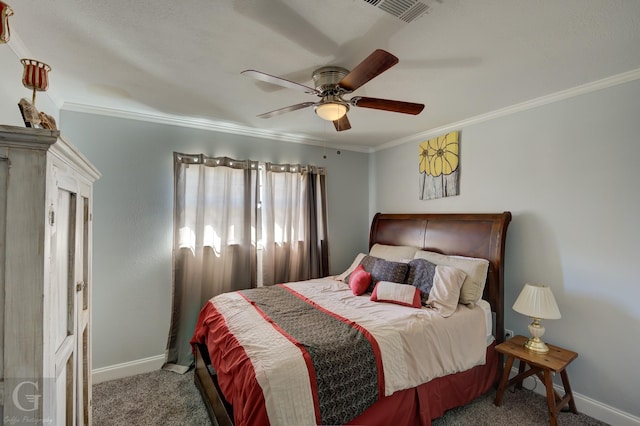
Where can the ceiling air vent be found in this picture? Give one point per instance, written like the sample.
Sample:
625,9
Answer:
405,10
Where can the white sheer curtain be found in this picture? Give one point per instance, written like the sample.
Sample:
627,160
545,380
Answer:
215,222
293,223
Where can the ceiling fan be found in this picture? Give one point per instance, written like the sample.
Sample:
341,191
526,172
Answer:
332,83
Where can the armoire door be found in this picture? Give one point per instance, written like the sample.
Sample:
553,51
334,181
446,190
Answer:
63,220
70,219
83,300
71,237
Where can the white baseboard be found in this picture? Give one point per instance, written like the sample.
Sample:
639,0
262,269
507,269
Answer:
126,369
590,407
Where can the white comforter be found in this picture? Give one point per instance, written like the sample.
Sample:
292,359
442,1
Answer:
416,345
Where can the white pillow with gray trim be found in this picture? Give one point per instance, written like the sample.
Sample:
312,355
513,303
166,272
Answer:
445,293
475,268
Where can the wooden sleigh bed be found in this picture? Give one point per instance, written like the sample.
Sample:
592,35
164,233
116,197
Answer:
470,235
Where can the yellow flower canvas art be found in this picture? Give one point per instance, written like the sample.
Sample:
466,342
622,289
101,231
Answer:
439,165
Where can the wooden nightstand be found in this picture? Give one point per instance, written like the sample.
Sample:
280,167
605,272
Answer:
542,365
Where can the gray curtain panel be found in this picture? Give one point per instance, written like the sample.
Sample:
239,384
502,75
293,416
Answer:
215,211
294,223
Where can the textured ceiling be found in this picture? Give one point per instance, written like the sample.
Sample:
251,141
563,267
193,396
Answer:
183,59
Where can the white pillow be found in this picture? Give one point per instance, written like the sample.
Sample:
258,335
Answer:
446,289
353,266
475,268
393,253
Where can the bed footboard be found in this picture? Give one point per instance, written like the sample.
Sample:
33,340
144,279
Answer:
206,383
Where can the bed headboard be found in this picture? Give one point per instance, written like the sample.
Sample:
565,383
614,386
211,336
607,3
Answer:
464,234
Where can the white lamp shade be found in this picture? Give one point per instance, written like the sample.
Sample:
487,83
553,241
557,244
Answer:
537,301
331,111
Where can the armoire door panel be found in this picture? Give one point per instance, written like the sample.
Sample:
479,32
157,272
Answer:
65,391
85,253
4,173
63,242
83,400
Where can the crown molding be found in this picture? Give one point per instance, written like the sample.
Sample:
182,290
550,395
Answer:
293,138
237,129
203,124
195,123
523,106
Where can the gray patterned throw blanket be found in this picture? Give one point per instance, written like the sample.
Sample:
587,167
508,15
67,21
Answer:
341,355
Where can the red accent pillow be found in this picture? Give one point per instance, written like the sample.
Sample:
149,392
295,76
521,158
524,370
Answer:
359,280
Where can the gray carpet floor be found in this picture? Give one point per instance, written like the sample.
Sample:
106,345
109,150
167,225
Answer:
166,398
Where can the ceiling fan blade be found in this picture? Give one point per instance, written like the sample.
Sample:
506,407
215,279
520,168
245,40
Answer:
342,123
373,65
259,75
387,105
286,109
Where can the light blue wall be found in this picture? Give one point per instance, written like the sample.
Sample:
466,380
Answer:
133,208
569,173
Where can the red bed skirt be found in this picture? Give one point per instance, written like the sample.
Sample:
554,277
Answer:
418,406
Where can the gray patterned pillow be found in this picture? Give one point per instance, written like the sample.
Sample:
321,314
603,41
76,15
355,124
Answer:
385,270
420,275
367,263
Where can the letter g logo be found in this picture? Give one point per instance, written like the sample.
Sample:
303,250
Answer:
31,398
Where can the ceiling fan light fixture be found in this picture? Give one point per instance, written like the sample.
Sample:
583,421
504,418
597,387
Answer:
332,83
331,111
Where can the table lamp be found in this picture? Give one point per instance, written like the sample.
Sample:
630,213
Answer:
537,301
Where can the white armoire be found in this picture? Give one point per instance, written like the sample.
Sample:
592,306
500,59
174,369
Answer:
45,278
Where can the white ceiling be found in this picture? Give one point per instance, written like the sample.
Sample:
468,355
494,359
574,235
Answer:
183,59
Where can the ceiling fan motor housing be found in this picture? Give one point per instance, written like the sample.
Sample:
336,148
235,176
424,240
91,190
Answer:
327,78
